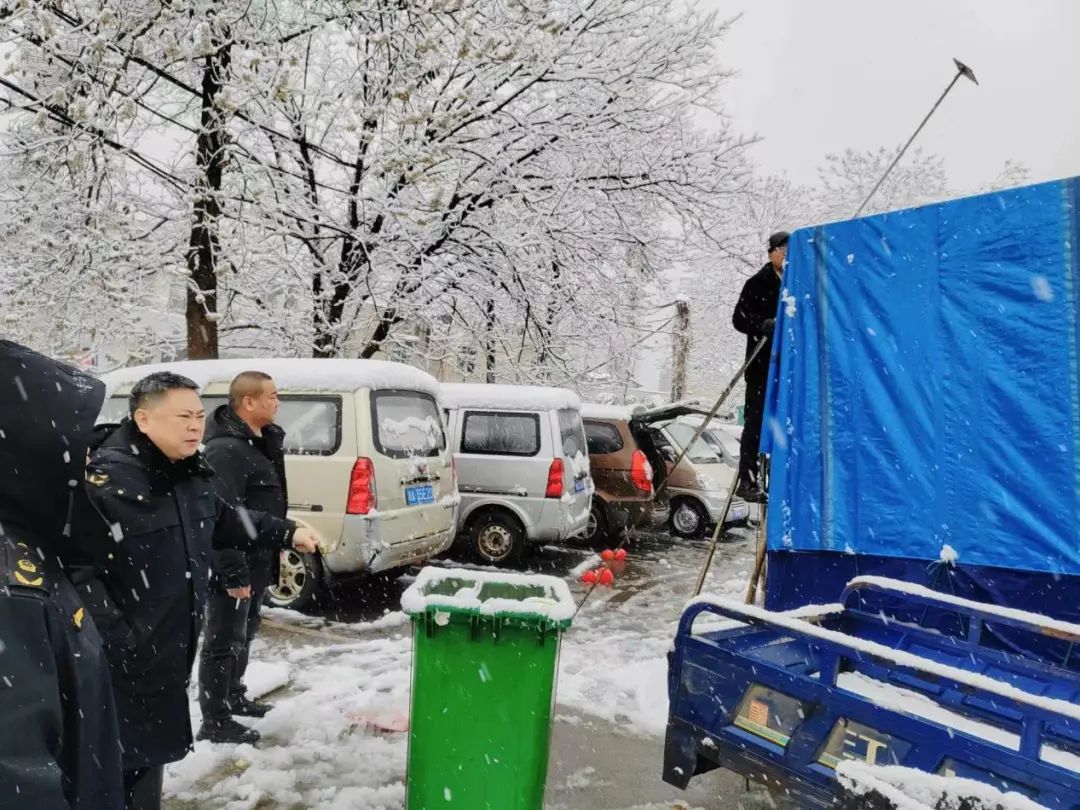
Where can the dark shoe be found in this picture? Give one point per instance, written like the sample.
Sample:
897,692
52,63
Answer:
227,731
243,706
749,493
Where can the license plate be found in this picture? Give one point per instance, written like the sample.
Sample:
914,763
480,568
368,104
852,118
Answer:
579,485
418,496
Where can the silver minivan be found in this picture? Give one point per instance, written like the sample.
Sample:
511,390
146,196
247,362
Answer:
522,466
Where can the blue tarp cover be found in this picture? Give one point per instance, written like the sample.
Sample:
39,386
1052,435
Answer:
926,389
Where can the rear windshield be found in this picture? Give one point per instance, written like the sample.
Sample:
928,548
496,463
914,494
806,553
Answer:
700,452
406,424
500,434
573,434
602,438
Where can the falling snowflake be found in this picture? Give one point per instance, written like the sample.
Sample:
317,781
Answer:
1042,289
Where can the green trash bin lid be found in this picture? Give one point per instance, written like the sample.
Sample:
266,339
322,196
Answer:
532,598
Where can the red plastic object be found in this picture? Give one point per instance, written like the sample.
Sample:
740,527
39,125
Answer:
606,577
607,555
589,577
620,554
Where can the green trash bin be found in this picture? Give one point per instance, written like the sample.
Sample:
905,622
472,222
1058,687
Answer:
485,652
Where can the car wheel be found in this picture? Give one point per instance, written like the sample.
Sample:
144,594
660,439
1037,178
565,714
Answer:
597,531
689,520
497,539
298,582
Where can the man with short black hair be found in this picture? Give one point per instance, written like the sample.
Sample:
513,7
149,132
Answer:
755,317
245,448
155,490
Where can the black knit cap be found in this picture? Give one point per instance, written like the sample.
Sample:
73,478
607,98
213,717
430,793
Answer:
778,239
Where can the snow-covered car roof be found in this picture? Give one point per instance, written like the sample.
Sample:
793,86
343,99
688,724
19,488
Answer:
507,397
306,374
591,410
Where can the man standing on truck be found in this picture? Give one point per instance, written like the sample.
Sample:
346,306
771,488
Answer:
755,317
246,450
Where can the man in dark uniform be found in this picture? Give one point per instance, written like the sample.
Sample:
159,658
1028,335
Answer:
245,448
155,490
59,744
755,317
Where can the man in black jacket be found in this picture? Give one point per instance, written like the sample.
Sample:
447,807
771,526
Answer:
59,744
755,317
245,448
155,491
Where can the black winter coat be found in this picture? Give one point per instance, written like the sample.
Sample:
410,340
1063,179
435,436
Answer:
757,304
250,472
149,594
59,745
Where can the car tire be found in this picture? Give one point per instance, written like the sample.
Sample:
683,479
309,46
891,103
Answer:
689,519
299,581
598,530
496,538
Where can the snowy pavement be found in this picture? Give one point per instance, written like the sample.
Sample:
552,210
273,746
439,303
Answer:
340,681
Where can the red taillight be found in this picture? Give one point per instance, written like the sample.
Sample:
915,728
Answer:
361,488
641,471
555,483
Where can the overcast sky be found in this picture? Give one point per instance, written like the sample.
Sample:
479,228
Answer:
817,76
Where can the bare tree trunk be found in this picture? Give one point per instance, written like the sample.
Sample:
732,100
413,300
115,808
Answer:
201,312
490,340
681,349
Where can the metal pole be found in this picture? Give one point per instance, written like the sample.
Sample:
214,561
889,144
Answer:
961,70
715,540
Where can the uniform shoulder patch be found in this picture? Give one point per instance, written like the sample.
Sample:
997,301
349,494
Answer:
23,571
97,479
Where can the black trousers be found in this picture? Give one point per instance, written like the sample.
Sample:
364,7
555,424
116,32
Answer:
231,625
142,788
751,432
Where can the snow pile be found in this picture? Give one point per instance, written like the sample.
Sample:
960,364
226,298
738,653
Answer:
507,397
317,750
555,602
290,375
911,789
1036,620
948,555
264,677
611,413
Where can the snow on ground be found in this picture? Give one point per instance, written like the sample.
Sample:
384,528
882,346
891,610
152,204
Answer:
319,748
329,743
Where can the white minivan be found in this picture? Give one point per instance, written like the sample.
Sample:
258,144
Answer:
522,465
367,462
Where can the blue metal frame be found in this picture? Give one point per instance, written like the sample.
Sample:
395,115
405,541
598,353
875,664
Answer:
710,674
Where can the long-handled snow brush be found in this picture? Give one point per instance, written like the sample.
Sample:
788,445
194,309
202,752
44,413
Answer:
961,70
